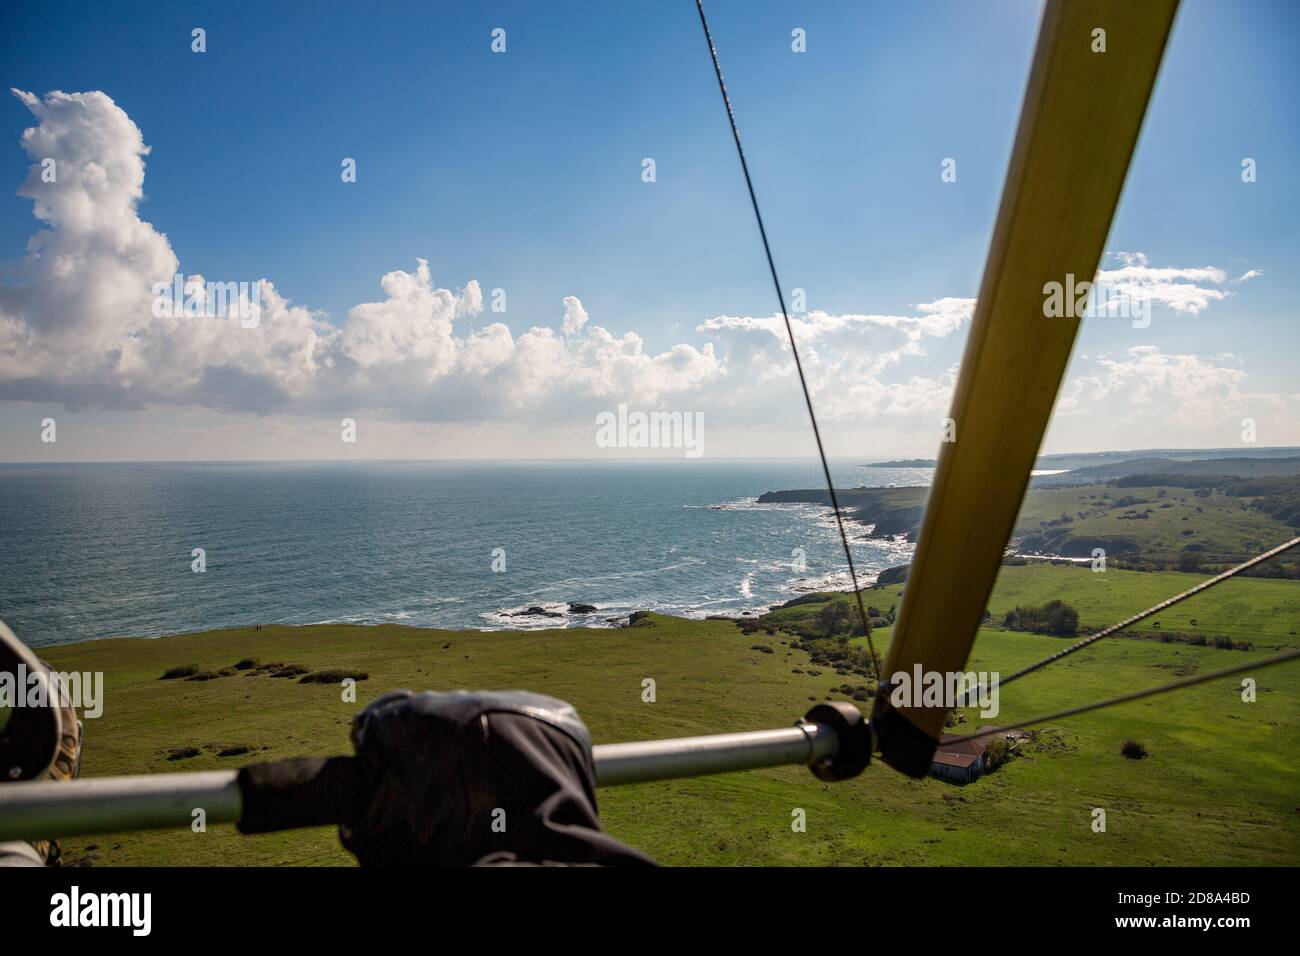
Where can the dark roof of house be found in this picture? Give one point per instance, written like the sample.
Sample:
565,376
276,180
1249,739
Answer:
961,761
973,748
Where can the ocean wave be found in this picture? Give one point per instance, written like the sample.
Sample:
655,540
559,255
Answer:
753,504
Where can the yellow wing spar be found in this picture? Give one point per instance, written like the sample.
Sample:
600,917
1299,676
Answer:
1082,112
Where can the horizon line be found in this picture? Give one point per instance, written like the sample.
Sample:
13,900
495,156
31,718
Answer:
864,460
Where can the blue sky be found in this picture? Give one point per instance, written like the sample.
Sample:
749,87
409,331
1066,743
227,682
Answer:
522,171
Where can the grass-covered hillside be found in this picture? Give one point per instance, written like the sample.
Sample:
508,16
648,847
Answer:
1155,526
1218,786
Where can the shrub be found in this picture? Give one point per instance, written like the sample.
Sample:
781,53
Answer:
1133,750
833,618
996,753
185,670
332,677
1054,617
837,619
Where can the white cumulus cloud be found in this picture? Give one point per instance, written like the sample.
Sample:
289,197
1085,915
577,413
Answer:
77,326
1188,291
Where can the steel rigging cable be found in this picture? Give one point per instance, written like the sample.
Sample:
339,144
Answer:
794,348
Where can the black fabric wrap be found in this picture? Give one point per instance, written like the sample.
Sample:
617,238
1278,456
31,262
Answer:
302,792
439,766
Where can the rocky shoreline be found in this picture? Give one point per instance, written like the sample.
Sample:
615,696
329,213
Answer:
536,610
884,512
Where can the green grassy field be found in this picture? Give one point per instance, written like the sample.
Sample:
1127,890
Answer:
1221,784
1263,611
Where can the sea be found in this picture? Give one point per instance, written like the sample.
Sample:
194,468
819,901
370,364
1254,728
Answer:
92,551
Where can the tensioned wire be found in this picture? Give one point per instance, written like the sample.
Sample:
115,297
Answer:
794,348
